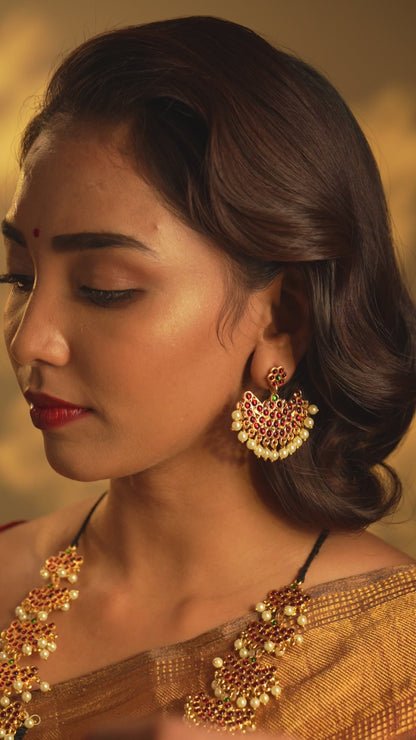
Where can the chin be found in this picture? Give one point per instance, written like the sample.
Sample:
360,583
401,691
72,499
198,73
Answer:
78,469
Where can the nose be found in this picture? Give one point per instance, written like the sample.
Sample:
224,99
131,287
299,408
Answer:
35,332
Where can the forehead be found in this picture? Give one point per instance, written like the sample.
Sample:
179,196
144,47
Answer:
81,156
80,174
83,182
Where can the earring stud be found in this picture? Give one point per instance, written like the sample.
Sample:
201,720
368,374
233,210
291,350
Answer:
276,427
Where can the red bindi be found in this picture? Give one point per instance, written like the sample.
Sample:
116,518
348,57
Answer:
36,233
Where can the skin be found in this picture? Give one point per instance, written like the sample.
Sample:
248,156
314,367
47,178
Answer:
160,381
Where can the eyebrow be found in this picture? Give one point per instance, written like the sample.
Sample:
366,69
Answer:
81,241
10,232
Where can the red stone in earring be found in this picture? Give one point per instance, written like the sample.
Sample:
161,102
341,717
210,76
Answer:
36,233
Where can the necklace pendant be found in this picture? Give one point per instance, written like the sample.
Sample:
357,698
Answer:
32,633
246,679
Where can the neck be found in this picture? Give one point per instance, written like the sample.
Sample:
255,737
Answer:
179,527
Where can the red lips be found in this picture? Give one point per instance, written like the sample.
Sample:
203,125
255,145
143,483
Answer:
48,412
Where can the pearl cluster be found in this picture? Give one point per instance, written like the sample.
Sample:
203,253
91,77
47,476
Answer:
31,633
245,680
274,428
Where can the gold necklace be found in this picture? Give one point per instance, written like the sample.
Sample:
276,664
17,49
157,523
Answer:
246,679
243,681
31,633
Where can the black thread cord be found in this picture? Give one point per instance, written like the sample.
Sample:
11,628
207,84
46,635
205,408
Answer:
82,528
21,732
299,578
312,555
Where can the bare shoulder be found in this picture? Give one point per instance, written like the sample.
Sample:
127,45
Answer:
26,546
348,554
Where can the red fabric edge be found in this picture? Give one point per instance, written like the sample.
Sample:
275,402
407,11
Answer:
11,524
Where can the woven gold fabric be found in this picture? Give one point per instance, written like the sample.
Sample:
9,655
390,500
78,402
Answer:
354,677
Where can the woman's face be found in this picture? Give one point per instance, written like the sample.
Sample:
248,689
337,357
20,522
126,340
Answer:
117,313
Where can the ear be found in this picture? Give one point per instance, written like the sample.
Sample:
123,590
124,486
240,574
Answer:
285,331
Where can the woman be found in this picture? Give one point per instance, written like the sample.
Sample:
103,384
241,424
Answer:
200,230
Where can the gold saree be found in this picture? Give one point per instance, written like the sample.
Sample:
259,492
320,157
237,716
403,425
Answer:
353,678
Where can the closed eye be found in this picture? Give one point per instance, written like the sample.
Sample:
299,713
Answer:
106,298
103,298
23,283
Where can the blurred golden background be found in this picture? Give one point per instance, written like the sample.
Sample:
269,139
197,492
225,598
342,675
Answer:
365,47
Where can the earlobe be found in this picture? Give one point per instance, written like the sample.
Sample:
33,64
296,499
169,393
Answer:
273,351
285,335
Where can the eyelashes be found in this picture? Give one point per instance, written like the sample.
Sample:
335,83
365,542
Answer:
102,298
106,298
22,282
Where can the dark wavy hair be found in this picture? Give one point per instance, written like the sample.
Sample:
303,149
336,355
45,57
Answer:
254,148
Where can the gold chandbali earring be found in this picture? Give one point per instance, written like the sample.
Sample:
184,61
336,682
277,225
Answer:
274,428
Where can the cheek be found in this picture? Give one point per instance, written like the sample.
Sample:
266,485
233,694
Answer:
165,371
161,361
157,337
